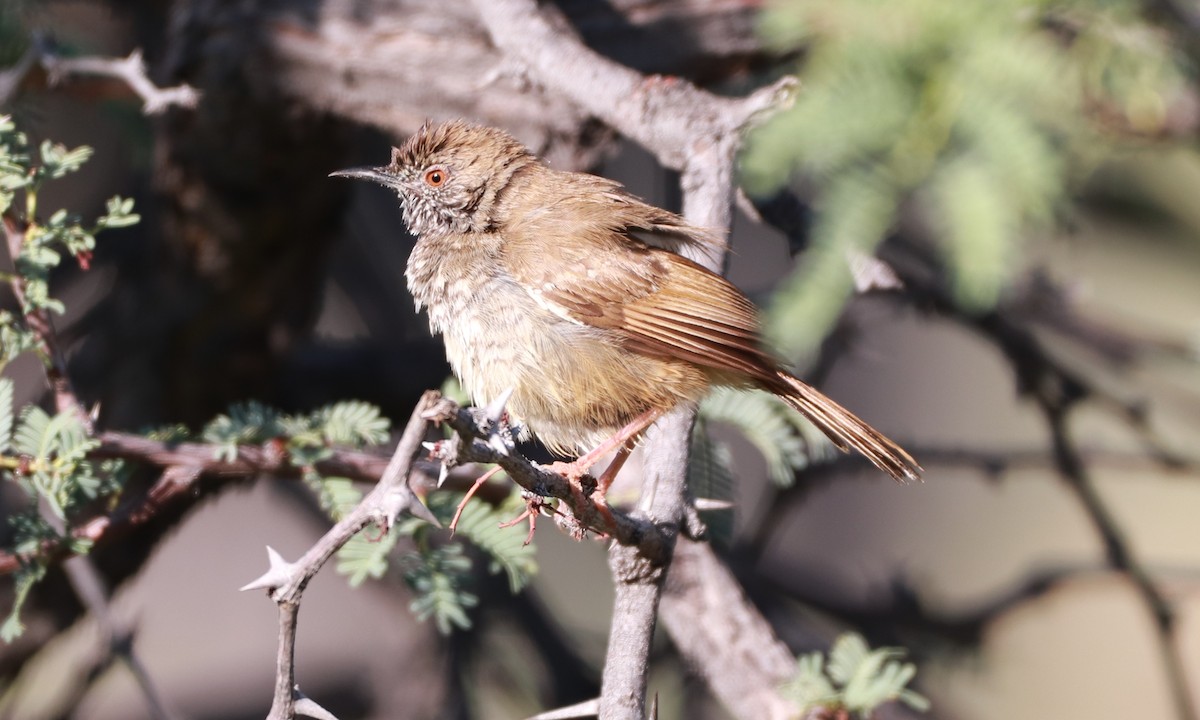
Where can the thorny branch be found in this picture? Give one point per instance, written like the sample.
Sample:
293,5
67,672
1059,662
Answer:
286,581
584,512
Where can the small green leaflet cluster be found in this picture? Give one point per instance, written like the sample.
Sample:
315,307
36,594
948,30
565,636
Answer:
439,576
46,457
856,679
787,441
45,241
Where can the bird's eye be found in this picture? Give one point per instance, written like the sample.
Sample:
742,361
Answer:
436,177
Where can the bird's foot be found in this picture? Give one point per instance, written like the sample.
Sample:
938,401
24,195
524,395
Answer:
573,471
534,505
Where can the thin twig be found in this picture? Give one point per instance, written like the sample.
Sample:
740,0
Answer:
1120,556
130,70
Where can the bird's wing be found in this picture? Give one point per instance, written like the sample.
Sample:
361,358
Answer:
582,259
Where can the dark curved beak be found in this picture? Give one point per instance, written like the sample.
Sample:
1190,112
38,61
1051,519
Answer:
377,175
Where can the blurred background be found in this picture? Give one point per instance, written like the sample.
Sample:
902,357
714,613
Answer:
1026,172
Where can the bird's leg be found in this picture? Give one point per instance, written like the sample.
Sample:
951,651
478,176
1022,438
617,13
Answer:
623,441
624,438
605,481
463,503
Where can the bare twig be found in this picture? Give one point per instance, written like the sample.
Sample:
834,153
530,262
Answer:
130,70
286,581
721,634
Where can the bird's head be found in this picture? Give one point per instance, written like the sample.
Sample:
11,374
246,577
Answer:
449,176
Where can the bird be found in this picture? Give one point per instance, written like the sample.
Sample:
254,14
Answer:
569,294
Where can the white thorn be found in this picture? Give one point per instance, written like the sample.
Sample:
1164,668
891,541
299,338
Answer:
495,409
305,705
430,446
278,573
443,473
712,504
496,442
585,709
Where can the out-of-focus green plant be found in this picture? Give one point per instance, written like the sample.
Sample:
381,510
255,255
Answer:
45,456
855,680
982,115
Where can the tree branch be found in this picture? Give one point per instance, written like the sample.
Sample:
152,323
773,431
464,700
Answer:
130,71
286,581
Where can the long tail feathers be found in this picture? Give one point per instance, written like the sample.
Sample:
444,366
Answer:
847,431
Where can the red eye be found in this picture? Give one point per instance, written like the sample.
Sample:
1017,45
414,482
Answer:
436,177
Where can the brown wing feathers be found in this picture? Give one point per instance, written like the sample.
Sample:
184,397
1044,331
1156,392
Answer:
666,305
714,325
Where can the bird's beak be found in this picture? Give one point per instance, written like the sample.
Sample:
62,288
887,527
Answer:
376,175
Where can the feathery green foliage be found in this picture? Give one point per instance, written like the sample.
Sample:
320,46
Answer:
45,455
982,114
787,441
856,679
438,576
480,523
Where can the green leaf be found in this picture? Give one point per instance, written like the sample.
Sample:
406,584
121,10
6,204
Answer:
32,432
336,495
809,687
366,557
856,679
978,229
854,214
58,161
353,423
848,653
26,578
438,580
480,523
767,422
119,214
247,423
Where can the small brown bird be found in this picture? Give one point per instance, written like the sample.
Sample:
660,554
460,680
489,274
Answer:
563,288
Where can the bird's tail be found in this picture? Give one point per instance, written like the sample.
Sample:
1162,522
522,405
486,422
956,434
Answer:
846,430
